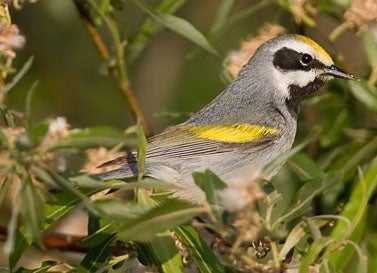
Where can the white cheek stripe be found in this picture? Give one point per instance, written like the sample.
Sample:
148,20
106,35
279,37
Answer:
284,79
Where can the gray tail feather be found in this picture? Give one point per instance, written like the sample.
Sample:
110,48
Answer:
124,172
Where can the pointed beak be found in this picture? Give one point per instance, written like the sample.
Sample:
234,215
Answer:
338,73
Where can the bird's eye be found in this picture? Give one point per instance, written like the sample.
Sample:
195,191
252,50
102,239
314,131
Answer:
306,58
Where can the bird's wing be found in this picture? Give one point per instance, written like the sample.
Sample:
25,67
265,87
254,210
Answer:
184,142
193,141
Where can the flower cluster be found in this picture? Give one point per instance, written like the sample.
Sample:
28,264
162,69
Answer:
361,14
236,60
10,39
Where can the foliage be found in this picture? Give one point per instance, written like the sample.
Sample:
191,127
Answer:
318,214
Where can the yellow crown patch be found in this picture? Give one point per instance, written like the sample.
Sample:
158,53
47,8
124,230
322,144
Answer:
314,45
238,133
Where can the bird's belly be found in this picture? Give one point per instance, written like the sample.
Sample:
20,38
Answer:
235,166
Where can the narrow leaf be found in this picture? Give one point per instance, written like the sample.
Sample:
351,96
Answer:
18,76
7,115
32,211
150,28
277,162
95,137
211,185
306,168
67,186
115,209
204,257
168,215
20,245
370,45
97,256
166,253
222,15
315,249
178,25
355,211
364,92
92,182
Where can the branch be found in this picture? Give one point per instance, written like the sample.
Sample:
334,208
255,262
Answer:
68,242
117,72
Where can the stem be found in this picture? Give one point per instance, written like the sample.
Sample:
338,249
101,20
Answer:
118,72
337,31
218,32
373,76
275,255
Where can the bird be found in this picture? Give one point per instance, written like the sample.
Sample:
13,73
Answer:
250,123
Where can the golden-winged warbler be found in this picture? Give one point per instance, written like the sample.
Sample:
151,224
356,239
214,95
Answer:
246,126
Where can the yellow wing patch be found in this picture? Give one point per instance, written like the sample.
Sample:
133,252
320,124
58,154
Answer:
237,133
314,45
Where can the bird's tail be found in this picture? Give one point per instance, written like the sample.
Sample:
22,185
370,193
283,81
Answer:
124,172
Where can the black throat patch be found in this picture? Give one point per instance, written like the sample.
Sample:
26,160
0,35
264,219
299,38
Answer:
286,60
297,94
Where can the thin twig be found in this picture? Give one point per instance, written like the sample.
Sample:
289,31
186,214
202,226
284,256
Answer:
117,72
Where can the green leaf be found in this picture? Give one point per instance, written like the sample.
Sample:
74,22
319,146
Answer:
28,100
67,186
166,253
239,16
301,230
168,215
335,128
97,256
98,237
355,211
314,250
304,167
364,92
370,45
210,183
222,16
294,236
204,257
91,182
277,162
32,211
145,253
150,28
302,200
37,132
60,203
7,115
119,210
178,25
117,4
93,223
359,155
21,73
20,245
95,137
